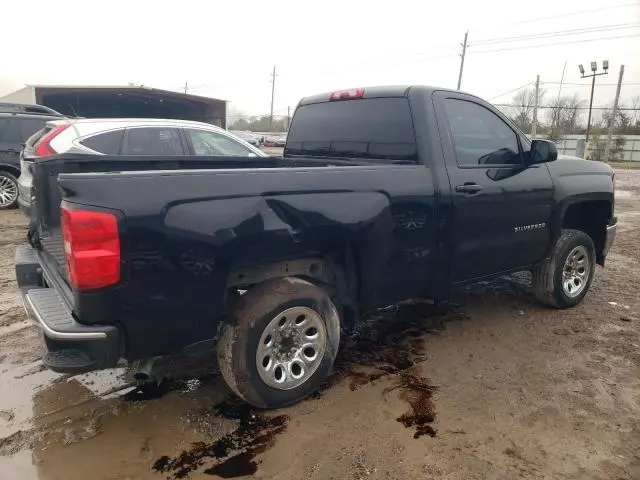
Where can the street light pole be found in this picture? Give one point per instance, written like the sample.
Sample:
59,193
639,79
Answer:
593,86
594,69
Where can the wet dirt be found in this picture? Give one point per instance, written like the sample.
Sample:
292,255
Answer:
235,451
513,390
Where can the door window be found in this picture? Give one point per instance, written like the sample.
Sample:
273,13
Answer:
207,143
153,141
108,142
479,136
10,131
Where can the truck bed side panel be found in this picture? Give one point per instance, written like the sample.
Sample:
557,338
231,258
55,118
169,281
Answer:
186,230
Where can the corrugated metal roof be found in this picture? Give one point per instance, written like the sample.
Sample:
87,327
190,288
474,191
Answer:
129,88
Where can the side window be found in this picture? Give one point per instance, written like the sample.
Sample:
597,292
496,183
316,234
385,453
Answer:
108,143
10,131
479,136
206,143
153,141
29,126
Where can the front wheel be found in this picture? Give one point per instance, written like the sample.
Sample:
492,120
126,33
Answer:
8,191
281,342
564,278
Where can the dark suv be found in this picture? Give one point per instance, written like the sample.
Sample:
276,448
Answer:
17,123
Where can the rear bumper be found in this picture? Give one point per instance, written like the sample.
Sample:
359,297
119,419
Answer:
25,206
73,347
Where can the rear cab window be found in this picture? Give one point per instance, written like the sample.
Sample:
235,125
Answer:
364,128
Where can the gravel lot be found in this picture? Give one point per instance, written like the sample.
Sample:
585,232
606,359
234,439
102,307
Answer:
492,387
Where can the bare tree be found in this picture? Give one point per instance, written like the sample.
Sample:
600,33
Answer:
572,114
564,116
522,107
621,122
635,113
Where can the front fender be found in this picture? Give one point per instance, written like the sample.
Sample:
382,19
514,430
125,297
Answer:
577,181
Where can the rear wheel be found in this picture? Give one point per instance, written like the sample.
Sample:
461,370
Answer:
8,191
280,343
564,278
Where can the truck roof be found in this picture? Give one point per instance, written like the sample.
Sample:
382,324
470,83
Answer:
376,92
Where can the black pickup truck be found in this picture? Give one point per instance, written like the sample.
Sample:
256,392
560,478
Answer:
382,194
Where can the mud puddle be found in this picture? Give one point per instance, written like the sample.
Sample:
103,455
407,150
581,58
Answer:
234,452
391,343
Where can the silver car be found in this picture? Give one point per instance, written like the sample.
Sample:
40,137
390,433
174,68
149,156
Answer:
122,136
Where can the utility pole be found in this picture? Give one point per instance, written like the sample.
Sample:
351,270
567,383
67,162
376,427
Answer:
288,117
562,80
612,120
534,127
273,89
185,87
559,111
464,52
594,68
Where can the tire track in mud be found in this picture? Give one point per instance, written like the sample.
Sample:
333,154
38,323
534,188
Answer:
389,343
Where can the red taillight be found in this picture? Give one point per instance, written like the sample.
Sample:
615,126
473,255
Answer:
43,148
346,94
92,247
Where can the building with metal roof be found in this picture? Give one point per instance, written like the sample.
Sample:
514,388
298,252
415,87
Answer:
122,101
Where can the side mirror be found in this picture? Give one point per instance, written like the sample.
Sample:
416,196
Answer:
542,151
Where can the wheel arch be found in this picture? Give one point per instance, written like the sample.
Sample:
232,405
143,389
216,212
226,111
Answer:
590,215
12,169
337,273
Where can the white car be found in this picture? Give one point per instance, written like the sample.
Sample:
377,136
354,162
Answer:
122,136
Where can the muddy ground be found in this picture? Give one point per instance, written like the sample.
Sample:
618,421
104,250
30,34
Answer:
491,387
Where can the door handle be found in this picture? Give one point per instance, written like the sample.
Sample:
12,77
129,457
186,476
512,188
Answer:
469,188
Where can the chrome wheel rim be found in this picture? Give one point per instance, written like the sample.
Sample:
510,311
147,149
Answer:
291,348
8,191
575,274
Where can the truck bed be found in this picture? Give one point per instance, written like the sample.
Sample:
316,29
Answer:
188,222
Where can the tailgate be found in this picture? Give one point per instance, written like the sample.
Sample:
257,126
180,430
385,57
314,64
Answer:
45,230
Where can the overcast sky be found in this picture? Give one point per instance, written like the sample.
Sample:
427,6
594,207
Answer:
227,49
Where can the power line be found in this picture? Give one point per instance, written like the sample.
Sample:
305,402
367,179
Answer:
562,15
558,33
559,106
588,84
555,43
510,91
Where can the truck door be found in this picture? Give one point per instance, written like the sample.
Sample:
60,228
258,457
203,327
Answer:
501,207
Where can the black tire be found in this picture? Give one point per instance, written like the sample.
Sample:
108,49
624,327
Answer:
8,177
547,278
240,336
